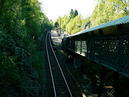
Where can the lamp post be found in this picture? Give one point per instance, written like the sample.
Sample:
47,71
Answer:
60,25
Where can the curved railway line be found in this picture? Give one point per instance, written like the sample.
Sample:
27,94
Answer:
59,82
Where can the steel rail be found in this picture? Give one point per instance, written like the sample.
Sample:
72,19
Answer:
48,57
60,68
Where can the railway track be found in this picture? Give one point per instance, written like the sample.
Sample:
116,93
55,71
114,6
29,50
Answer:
59,82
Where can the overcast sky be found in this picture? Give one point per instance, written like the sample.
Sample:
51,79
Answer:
55,8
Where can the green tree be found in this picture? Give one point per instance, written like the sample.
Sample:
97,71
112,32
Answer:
22,25
72,22
56,24
108,10
73,13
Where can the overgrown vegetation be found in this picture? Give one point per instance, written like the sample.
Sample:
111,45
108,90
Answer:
106,10
22,27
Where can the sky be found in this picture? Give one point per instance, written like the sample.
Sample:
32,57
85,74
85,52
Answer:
56,8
